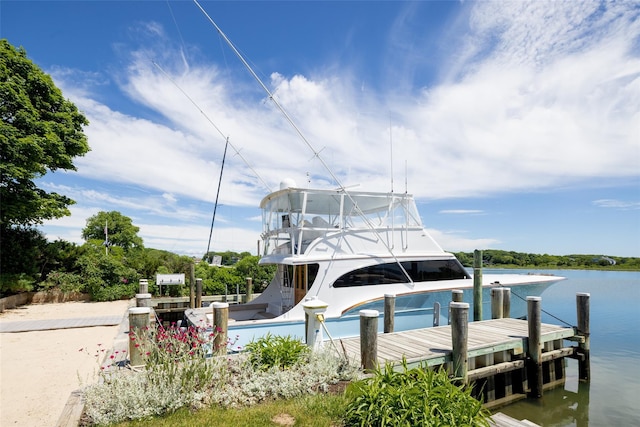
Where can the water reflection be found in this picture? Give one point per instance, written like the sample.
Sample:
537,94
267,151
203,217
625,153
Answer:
611,399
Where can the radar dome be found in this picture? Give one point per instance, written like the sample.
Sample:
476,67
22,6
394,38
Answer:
287,183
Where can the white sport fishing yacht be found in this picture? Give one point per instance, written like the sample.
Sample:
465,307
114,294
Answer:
348,249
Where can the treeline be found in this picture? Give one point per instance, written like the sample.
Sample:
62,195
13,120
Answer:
493,258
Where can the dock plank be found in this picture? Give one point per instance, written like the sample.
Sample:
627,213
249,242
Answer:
433,345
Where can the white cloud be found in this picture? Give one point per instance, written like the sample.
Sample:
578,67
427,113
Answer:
456,242
462,211
541,94
616,204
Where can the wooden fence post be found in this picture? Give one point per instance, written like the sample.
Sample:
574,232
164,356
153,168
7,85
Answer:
368,339
220,327
389,312
534,350
584,363
459,339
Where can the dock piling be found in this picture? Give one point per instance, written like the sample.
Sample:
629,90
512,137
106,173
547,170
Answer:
192,286
497,303
369,339
249,291
389,312
198,293
506,302
534,347
584,363
459,339
143,300
220,326
143,286
138,322
477,285
456,296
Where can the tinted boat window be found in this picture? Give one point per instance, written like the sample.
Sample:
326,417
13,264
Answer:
426,271
419,271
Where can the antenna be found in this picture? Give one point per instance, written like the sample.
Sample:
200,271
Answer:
391,149
406,174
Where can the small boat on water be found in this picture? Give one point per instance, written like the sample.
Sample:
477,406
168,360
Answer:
348,249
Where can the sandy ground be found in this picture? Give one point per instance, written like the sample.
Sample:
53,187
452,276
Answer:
40,369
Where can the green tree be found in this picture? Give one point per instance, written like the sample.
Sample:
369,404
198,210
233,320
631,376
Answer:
114,229
40,131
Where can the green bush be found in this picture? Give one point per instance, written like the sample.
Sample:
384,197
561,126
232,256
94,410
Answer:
107,278
66,282
412,397
15,283
276,351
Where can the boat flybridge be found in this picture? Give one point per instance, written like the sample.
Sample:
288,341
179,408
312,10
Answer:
349,249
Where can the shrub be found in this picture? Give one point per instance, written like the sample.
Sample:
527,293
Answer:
66,282
276,351
15,283
412,397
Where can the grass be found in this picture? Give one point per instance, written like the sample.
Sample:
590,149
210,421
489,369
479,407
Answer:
319,410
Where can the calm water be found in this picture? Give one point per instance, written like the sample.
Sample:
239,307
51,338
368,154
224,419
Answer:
612,398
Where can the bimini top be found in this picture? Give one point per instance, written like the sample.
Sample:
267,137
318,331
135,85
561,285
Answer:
296,218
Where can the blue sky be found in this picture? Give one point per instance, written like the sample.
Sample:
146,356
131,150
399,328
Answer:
515,124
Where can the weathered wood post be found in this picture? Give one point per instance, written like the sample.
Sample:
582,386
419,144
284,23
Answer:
314,310
139,324
506,302
192,293
143,286
143,300
497,303
584,363
389,312
220,327
456,296
368,339
198,293
534,347
477,285
192,286
459,339
249,292
436,314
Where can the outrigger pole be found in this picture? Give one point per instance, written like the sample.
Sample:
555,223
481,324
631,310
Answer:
300,134
215,207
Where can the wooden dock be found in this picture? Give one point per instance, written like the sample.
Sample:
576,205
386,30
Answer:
497,355
433,345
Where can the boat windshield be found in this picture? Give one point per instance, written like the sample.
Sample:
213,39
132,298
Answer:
419,271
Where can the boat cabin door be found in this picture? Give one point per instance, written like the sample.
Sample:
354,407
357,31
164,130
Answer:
300,282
